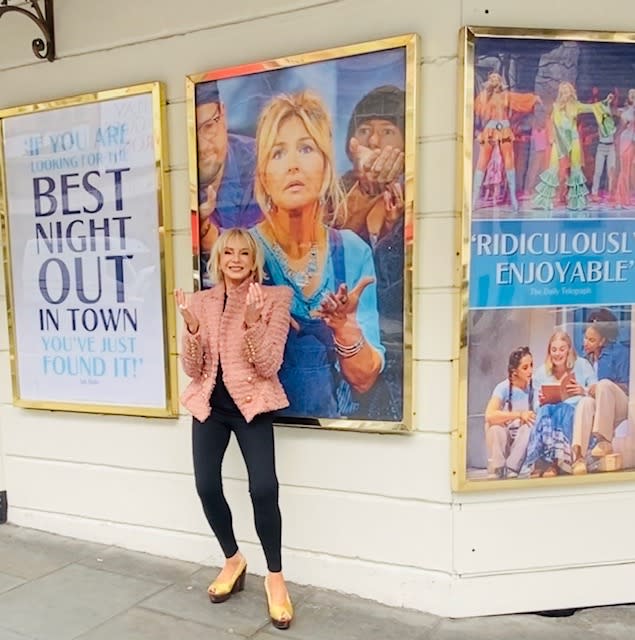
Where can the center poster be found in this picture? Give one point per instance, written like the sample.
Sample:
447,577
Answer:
314,154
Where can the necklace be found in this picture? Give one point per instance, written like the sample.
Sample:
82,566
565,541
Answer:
302,277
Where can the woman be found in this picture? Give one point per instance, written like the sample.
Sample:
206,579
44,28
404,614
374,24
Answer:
509,417
626,151
561,382
597,415
565,162
333,347
232,349
495,105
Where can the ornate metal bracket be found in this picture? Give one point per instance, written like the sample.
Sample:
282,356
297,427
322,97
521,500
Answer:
44,49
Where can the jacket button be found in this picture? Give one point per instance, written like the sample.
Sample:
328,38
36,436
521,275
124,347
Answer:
247,398
250,379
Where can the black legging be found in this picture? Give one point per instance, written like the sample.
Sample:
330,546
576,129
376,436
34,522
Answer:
255,439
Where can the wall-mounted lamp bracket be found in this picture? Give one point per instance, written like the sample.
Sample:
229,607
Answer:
43,48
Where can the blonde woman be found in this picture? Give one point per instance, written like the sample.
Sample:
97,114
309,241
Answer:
333,351
562,381
232,349
564,175
494,106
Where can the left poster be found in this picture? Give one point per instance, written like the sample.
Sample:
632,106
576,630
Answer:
86,263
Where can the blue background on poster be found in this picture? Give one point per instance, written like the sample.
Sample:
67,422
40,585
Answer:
538,263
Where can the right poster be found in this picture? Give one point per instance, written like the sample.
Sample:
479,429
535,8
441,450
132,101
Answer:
548,256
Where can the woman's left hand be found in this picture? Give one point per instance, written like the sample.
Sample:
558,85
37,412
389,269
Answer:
336,308
255,302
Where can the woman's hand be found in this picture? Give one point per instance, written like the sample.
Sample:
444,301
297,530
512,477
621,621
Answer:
182,302
574,389
255,302
541,397
591,390
527,417
339,307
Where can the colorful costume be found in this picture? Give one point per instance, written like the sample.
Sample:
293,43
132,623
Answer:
605,152
627,155
495,109
566,146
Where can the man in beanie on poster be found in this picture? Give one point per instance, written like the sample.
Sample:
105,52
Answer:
375,146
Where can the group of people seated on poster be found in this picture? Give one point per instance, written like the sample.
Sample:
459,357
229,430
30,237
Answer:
322,235
560,418
556,175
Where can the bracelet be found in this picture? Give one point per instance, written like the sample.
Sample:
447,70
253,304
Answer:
348,351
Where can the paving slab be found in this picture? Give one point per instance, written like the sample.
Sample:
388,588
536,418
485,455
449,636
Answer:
613,623
55,588
518,627
70,601
243,614
8,582
5,634
29,554
325,615
141,565
143,624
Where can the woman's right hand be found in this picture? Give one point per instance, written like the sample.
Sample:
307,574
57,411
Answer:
182,302
339,307
527,417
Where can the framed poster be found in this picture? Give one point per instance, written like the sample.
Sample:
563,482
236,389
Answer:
548,144
342,123
87,266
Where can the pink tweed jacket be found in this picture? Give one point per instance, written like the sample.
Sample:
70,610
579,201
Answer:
250,357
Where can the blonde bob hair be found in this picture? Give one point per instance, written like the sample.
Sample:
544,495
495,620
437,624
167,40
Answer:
309,108
213,264
572,356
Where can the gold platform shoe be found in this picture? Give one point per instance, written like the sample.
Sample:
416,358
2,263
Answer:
222,591
280,614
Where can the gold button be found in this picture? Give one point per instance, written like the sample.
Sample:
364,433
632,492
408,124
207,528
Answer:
250,379
248,399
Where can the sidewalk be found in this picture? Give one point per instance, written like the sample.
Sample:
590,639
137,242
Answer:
54,588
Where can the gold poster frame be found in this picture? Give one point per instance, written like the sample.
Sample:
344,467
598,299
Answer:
468,37
164,230
410,44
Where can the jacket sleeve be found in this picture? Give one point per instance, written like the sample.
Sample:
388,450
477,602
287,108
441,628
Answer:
192,359
266,339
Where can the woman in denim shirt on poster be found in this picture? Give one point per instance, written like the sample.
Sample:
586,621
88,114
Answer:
333,351
597,415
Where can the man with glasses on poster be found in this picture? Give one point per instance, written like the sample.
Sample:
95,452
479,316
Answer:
225,171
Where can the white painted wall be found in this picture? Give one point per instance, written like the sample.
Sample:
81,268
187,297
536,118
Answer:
366,514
